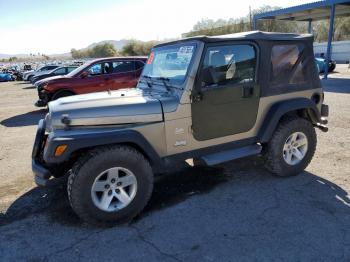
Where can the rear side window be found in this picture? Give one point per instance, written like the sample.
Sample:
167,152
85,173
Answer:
123,66
287,65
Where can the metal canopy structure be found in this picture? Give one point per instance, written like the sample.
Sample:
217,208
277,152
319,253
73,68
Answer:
311,12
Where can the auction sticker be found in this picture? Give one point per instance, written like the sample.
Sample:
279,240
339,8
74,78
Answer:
150,58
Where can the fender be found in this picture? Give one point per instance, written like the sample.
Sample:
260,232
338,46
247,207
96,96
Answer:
91,138
281,108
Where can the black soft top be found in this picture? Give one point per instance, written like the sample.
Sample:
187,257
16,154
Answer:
251,35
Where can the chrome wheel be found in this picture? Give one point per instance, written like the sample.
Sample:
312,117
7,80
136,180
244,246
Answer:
295,148
114,189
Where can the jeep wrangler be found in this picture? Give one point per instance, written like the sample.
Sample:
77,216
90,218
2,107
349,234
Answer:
206,99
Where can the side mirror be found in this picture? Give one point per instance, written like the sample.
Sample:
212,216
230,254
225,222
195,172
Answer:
208,76
84,74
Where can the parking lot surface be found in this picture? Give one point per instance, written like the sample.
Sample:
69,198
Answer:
233,212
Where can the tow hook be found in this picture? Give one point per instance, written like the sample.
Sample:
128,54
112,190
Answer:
322,127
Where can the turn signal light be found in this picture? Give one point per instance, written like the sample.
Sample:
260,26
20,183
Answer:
60,150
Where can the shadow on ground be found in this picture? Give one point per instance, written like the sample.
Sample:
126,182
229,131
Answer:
29,87
337,85
302,197
27,119
23,83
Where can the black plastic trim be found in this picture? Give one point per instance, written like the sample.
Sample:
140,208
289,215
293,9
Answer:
281,108
98,138
324,110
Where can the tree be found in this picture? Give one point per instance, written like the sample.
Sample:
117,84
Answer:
102,50
134,47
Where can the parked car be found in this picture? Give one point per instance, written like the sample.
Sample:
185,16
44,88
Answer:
321,65
5,77
97,75
210,99
59,71
27,76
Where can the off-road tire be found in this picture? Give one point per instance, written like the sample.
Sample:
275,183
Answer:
273,150
60,94
89,166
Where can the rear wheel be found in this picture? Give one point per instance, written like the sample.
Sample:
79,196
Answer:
110,185
291,147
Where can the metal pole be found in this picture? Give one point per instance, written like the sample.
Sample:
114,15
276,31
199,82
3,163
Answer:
330,37
254,23
309,29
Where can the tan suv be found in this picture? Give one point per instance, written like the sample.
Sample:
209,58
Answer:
209,99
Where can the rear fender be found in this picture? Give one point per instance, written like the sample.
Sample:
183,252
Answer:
278,110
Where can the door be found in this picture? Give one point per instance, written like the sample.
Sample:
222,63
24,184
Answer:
95,81
122,75
226,93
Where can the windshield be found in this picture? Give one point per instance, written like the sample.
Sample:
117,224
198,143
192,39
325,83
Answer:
78,70
169,62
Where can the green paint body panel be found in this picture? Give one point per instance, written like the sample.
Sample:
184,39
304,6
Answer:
225,111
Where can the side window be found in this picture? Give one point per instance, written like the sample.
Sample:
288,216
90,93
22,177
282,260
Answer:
95,69
60,71
122,66
70,69
230,64
287,65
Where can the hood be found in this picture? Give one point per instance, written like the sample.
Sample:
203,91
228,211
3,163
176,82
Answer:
47,79
127,106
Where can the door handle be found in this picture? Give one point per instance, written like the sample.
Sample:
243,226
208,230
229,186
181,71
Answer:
247,91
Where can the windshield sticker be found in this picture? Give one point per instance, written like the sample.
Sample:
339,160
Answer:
150,59
185,50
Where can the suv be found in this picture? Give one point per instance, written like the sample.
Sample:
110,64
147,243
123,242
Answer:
209,99
98,75
59,71
27,76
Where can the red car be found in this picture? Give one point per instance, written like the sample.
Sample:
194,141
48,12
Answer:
95,76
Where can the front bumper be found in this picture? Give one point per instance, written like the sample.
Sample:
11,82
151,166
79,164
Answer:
43,100
42,174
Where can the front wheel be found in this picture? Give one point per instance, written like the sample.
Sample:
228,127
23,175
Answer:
291,147
60,94
110,185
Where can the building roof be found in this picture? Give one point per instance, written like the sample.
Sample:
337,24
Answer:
312,11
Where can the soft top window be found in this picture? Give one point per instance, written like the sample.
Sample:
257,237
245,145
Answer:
287,64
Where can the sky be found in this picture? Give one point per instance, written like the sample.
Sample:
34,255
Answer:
54,27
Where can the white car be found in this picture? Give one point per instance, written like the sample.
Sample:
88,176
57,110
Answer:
27,76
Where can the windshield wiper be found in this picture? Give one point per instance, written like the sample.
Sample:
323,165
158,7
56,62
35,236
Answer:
145,77
166,81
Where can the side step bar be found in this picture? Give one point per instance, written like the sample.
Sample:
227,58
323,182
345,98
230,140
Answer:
228,155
